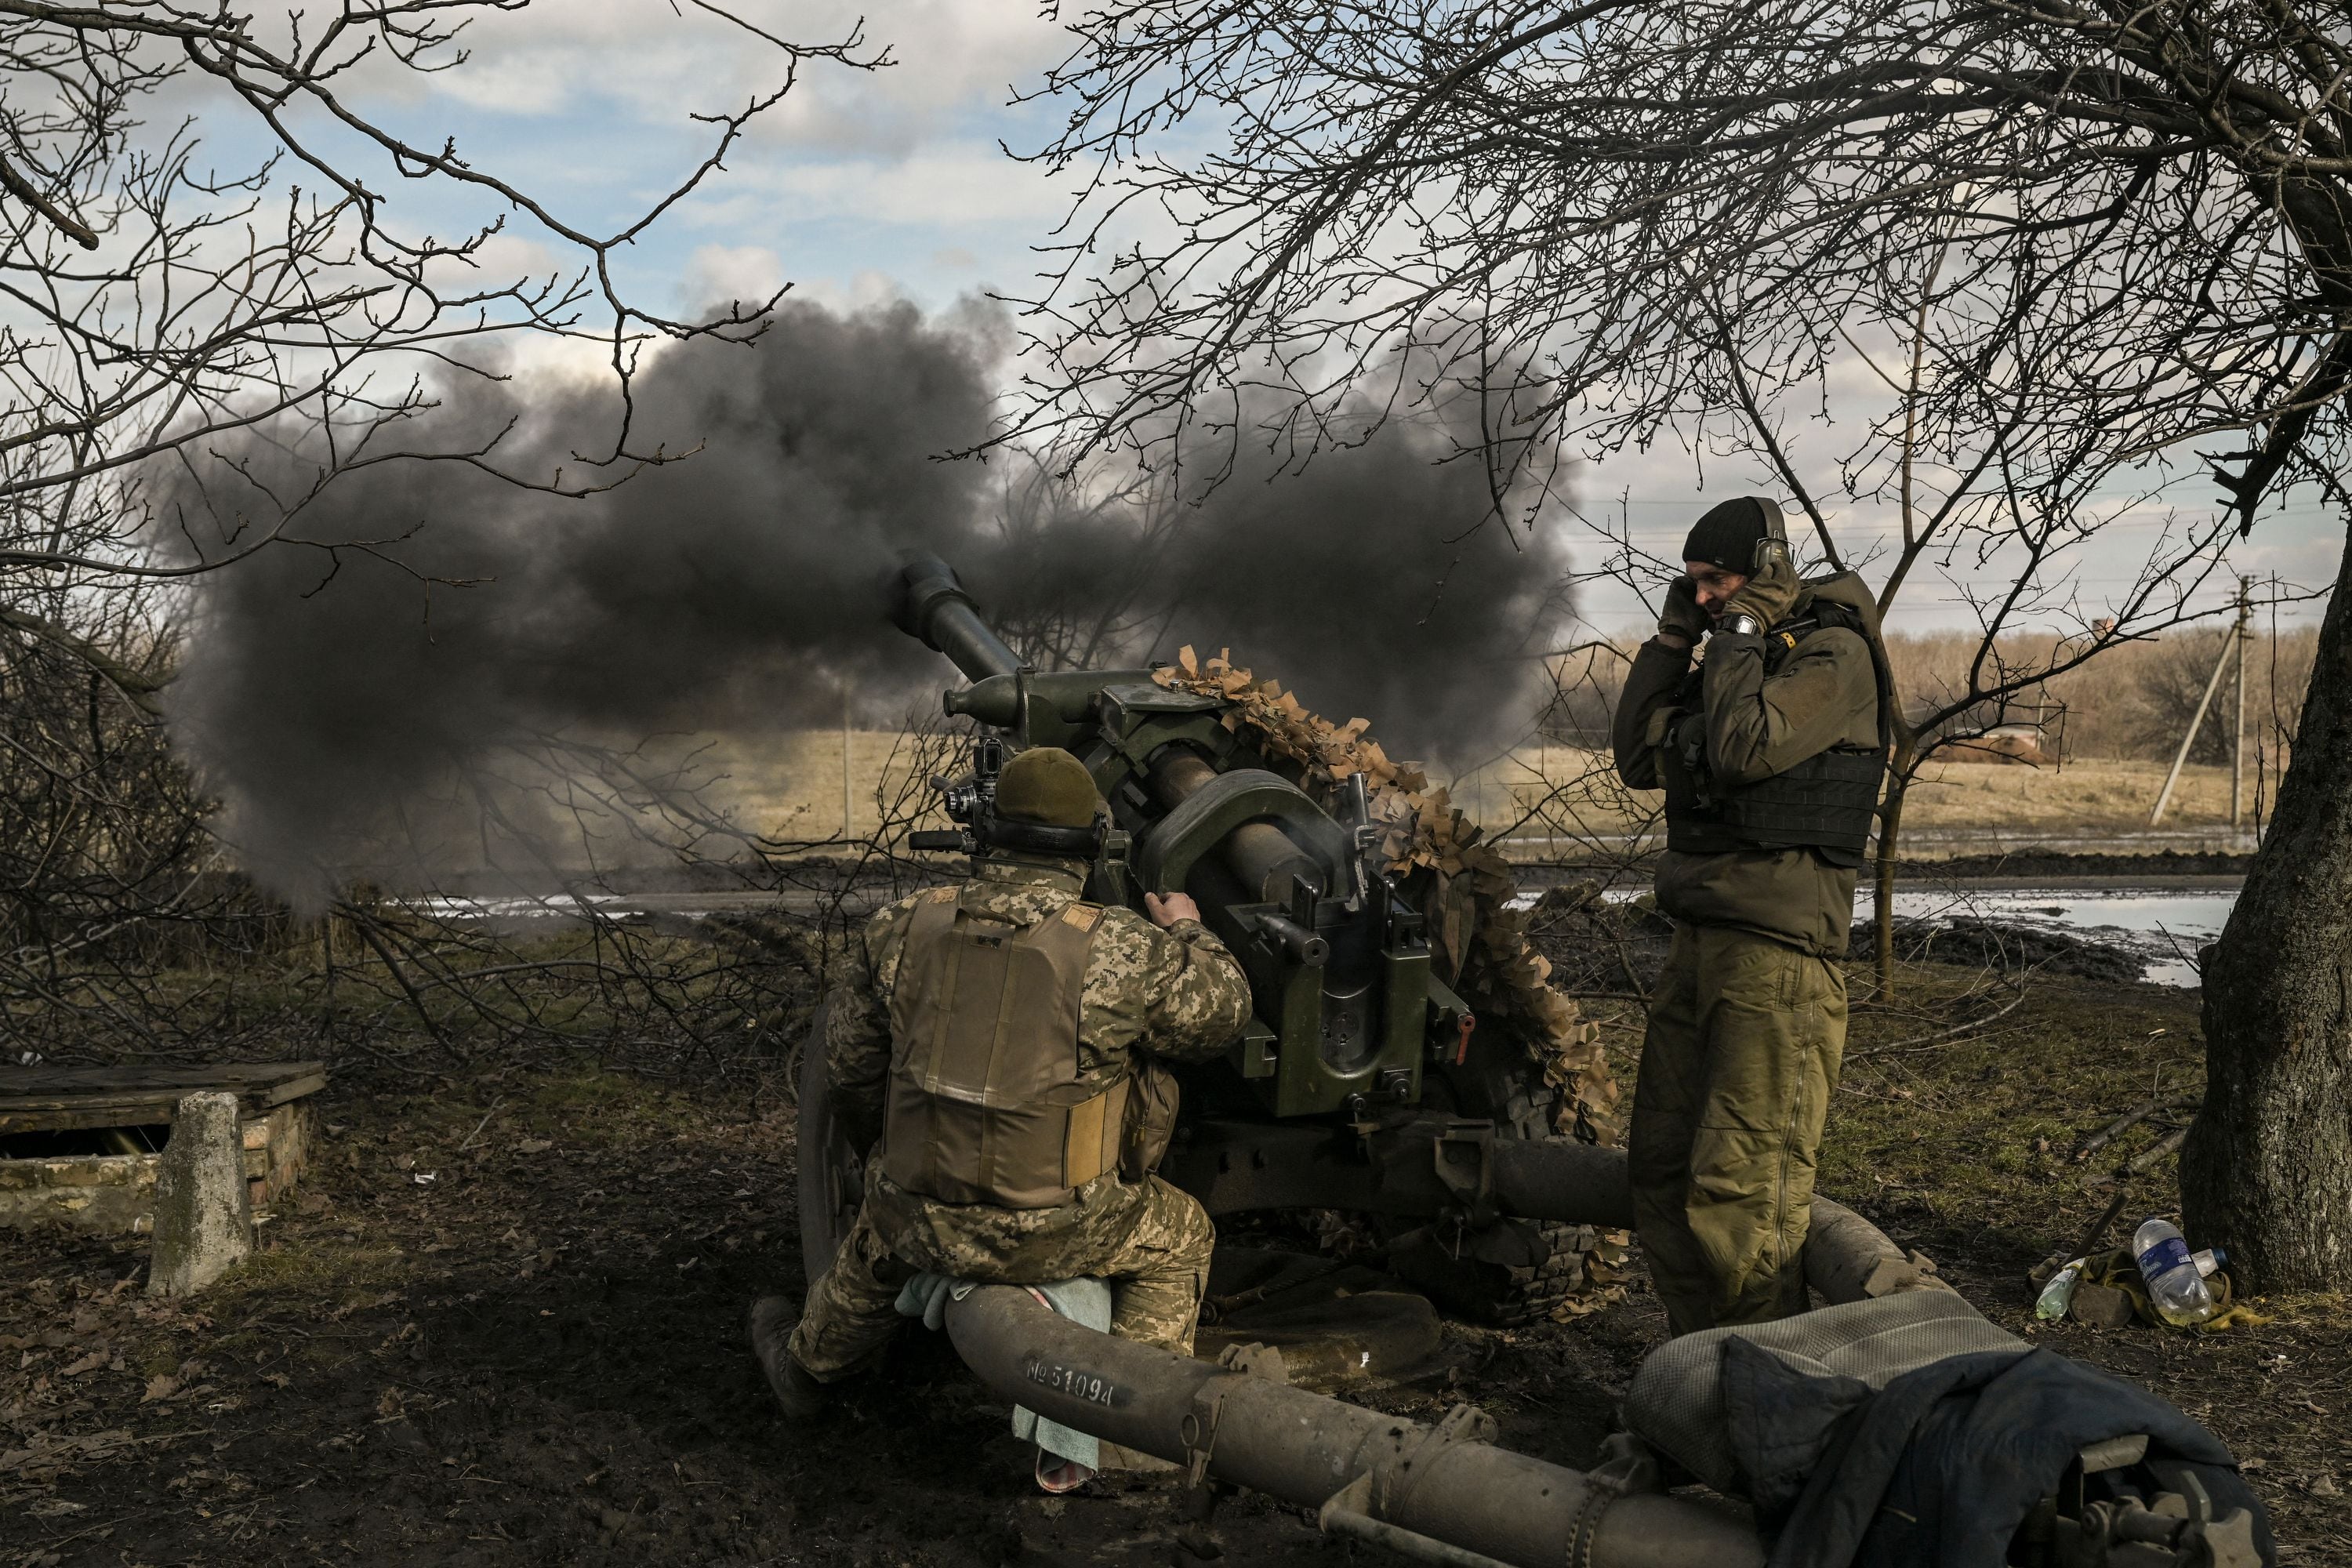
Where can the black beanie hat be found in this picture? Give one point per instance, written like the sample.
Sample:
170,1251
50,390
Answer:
1727,536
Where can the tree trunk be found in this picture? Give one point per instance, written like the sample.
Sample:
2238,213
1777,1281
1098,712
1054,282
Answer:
2267,1170
1890,839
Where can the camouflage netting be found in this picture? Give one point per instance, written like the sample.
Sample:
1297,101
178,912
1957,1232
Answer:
1478,941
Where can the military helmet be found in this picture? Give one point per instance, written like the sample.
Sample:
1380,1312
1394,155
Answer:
1046,803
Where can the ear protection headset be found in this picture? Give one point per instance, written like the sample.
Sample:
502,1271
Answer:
972,802
1775,542
1041,839
1773,547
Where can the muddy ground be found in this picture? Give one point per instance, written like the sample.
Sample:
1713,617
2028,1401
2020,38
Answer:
500,1321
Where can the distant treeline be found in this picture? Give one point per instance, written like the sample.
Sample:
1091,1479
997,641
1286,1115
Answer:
2134,701
2131,701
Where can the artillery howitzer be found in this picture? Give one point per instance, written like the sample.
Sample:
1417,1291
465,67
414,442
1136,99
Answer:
1362,1082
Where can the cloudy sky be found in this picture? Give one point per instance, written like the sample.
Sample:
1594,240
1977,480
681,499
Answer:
867,185
858,186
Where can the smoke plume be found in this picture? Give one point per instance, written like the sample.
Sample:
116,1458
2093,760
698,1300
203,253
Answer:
412,665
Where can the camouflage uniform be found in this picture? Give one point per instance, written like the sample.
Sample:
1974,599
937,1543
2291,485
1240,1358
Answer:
1176,995
1746,1027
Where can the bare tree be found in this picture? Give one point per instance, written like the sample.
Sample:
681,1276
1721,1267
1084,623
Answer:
154,303
2131,226
154,308
1572,190
1953,491
2168,697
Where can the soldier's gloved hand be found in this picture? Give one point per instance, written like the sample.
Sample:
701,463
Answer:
1770,593
1166,910
1680,616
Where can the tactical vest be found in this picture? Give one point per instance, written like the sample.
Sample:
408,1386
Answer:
1825,804
986,1104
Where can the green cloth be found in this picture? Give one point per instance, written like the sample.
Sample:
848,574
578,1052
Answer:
1746,1036
1082,1301
1825,693
1152,1243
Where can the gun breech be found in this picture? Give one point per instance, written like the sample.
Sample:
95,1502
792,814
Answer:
1259,853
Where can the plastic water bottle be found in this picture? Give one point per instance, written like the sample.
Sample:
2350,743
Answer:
2175,1289
2056,1296
2207,1261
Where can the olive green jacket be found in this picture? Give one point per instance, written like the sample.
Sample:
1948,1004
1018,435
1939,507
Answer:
1824,694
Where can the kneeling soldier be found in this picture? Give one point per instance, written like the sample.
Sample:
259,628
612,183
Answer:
1771,753
1007,1038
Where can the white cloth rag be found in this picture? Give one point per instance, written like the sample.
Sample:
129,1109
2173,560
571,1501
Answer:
1084,1302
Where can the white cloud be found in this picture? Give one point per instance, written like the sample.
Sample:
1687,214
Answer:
590,105
862,185
950,59
947,186
746,274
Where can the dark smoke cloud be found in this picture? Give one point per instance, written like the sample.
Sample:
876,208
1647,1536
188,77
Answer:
346,707
1372,581
341,701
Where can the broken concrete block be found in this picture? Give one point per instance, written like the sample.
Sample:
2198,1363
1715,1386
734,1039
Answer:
204,1214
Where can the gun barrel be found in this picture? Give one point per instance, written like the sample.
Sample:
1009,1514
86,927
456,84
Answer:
1260,854
932,605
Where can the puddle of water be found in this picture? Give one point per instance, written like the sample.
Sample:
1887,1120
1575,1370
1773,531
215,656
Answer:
2166,928
551,906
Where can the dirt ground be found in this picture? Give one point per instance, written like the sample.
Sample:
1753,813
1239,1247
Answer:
500,1320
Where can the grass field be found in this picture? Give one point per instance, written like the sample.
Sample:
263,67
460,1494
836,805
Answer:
791,789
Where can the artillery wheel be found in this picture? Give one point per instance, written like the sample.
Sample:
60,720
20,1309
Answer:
1499,1085
832,1171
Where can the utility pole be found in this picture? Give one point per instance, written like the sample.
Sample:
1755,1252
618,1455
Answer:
844,765
2238,725
2230,645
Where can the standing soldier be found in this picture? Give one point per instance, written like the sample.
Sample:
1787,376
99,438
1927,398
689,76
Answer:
1771,753
1006,1039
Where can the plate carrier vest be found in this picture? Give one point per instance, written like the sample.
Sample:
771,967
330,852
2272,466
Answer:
985,1101
1825,804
